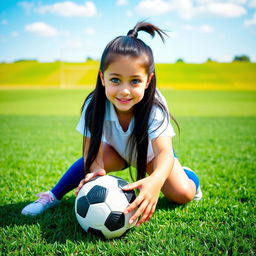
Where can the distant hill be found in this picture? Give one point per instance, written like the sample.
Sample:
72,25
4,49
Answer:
211,75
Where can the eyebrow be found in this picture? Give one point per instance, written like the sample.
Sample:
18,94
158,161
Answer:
115,74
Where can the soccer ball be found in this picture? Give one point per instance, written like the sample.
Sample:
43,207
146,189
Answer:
100,204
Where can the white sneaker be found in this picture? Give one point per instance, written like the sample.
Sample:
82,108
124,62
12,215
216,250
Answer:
198,196
45,201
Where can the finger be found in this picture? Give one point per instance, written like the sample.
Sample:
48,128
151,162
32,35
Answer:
151,213
101,172
140,210
77,191
131,186
134,204
145,216
88,177
82,182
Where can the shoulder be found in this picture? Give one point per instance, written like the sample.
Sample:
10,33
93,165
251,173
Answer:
159,109
160,97
159,121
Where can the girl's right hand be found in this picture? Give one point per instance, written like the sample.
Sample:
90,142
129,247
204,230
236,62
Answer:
88,177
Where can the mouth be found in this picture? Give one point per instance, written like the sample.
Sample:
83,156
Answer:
123,100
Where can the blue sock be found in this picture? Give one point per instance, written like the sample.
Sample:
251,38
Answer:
70,179
191,175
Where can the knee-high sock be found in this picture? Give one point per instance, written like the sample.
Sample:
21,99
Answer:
191,175
70,179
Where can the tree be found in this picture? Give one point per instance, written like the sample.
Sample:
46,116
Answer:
25,60
243,58
179,60
89,58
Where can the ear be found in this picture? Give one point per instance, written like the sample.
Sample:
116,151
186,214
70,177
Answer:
149,79
101,77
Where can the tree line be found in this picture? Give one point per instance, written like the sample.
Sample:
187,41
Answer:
237,58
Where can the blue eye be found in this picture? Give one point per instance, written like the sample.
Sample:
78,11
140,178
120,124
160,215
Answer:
136,81
115,80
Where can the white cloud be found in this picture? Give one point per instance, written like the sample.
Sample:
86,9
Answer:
69,9
238,1
187,9
89,31
153,7
41,29
251,22
202,29
121,2
226,9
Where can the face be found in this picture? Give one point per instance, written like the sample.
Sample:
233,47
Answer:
125,81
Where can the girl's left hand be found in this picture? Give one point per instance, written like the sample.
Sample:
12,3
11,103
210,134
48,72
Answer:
146,200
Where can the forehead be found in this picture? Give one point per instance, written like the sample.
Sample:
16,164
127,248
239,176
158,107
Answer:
127,65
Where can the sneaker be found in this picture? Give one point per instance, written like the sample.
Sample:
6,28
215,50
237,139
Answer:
198,196
45,201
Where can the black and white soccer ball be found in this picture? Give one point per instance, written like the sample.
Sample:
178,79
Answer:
100,206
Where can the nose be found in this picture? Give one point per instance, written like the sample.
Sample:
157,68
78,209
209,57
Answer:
125,91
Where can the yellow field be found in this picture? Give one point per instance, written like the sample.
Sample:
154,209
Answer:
182,76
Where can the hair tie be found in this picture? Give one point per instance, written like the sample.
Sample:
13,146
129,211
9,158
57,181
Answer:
132,33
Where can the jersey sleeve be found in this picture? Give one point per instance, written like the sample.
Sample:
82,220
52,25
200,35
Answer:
159,124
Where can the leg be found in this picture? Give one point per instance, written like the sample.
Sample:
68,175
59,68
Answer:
70,180
178,187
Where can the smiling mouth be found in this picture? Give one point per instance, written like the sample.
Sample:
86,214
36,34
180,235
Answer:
123,100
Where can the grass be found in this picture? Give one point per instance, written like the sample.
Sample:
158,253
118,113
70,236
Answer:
206,76
38,142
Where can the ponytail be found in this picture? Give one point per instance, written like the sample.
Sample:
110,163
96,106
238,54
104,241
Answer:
148,28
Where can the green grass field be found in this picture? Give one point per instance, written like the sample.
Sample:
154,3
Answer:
206,76
39,141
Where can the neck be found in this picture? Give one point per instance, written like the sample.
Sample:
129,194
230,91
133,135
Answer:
124,119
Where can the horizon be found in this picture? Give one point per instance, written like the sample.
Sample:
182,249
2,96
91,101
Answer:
98,60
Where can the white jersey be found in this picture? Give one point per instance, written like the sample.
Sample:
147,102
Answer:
114,135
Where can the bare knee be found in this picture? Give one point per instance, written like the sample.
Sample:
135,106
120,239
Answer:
183,195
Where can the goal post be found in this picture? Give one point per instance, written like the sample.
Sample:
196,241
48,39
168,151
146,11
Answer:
75,75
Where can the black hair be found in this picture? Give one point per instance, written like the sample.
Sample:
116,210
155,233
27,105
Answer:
132,46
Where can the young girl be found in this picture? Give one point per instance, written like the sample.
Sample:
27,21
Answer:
125,121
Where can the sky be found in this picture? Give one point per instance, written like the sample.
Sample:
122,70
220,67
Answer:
53,30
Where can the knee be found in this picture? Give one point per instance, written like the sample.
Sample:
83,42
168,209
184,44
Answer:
184,195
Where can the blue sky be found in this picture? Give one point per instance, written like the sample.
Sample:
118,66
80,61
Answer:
73,30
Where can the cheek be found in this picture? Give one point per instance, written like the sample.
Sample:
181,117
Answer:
139,93
110,91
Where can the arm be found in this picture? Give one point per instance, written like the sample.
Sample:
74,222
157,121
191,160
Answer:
98,163
150,186
164,159
97,167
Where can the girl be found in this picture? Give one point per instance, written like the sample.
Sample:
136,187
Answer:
125,121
